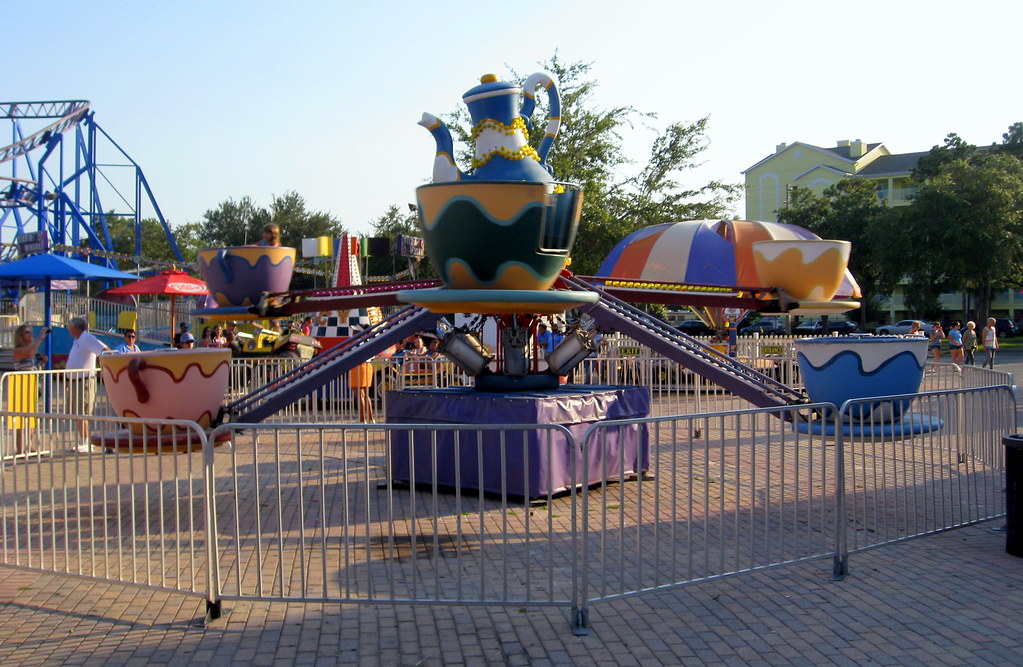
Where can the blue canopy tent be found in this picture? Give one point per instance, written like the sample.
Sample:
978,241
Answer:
57,267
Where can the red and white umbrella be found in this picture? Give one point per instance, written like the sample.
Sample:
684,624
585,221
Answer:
172,282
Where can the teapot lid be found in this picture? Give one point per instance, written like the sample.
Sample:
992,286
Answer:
490,87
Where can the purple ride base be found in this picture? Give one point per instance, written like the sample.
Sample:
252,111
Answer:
531,469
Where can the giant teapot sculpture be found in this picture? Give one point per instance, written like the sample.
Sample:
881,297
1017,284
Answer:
506,224
500,133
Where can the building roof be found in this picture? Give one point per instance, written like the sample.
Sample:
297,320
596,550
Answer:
845,151
887,165
797,144
839,172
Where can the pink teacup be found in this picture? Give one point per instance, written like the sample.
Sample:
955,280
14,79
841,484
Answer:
167,384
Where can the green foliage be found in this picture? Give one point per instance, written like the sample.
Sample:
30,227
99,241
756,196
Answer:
392,223
850,211
963,230
155,244
968,219
589,153
235,223
954,148
232,223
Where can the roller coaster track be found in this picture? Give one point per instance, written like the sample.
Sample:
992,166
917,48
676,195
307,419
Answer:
68,114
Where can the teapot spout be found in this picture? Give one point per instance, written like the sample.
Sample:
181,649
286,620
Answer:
444,169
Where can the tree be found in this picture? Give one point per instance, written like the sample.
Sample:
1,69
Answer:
241,223
391,224
850,211
232,223
968,219
289,212
1012,141
954,148
155,244
589,152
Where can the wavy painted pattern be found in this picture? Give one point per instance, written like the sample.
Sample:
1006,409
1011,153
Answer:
245,273
175,362
844,376
709,252
477,238
180,385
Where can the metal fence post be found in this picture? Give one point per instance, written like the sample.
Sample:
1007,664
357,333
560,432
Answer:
841,558
214,603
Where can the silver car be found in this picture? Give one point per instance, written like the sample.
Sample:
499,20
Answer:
903,327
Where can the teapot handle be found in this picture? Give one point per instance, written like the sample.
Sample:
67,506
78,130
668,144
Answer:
529,104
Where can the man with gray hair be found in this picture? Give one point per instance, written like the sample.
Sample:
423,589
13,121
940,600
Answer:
83,358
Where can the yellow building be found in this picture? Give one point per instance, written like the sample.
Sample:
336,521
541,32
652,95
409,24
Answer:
769,181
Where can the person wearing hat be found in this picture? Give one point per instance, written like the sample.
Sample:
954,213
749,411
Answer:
187,341
182,330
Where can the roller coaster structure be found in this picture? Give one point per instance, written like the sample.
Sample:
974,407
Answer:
55,182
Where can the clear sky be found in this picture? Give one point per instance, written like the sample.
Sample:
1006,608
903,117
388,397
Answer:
219,99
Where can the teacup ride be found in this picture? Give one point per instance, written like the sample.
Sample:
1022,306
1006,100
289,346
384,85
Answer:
238,277
185,385
807,272
499,236
836,369
852,368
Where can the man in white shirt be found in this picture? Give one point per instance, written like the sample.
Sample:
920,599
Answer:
83,357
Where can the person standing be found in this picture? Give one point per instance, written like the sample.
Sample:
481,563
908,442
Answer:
24,389
544,340
934,342
990,338
26,349
129,344
970,343
955,342
182,330
82,357
360,379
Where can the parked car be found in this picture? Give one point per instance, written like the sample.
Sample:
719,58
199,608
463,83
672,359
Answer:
695,328
765,327
903,327
1006,328
816,328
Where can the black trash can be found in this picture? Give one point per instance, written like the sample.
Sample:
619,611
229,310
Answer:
1014,493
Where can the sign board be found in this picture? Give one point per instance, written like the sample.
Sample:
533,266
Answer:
628,351
321,246
767,350
409,246
32,243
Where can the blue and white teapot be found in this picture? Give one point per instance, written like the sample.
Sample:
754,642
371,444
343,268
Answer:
500,133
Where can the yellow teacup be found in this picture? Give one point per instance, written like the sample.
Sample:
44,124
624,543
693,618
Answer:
808,270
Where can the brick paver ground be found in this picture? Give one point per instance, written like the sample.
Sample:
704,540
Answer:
948,599
952,598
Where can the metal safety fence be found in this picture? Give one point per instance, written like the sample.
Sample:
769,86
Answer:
389,514
526,515
116,514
